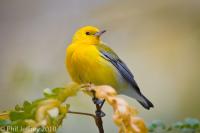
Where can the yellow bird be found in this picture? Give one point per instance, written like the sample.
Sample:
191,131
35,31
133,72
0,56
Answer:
89,60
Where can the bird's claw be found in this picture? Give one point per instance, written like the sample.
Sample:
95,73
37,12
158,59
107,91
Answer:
87,85
97,101
100,113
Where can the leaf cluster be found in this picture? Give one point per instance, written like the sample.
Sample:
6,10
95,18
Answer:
188,125
41,115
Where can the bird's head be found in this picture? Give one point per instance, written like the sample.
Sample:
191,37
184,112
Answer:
88,35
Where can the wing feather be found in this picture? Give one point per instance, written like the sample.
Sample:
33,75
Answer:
108,54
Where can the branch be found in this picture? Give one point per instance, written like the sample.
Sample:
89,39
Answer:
50,111
98,119
81,113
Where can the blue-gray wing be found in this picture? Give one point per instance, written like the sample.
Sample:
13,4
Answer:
109,55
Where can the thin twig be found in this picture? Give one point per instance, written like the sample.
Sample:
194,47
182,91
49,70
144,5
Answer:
98,119
82,113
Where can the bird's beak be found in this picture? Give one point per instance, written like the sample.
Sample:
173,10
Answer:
98,34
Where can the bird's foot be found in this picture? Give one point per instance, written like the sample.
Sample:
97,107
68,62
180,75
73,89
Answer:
87,86
98,102
100,113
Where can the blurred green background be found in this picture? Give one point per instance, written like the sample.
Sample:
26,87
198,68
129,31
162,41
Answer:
158,40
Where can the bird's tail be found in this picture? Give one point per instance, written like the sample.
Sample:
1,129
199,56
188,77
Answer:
145,102
139,97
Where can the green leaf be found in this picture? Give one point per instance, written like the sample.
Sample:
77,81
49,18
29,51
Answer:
54,93
159,124
27,106
57,90
47,92
18,107
15,115
192,123
178,125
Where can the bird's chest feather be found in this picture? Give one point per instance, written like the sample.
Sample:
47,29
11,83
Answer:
87,65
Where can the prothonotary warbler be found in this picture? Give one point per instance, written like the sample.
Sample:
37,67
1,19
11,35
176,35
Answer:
89,60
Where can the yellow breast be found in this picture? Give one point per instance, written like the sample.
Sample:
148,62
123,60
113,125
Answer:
85,65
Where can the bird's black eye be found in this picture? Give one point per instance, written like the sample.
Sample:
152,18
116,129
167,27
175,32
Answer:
87,33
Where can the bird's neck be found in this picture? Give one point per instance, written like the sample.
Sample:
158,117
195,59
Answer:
87,42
